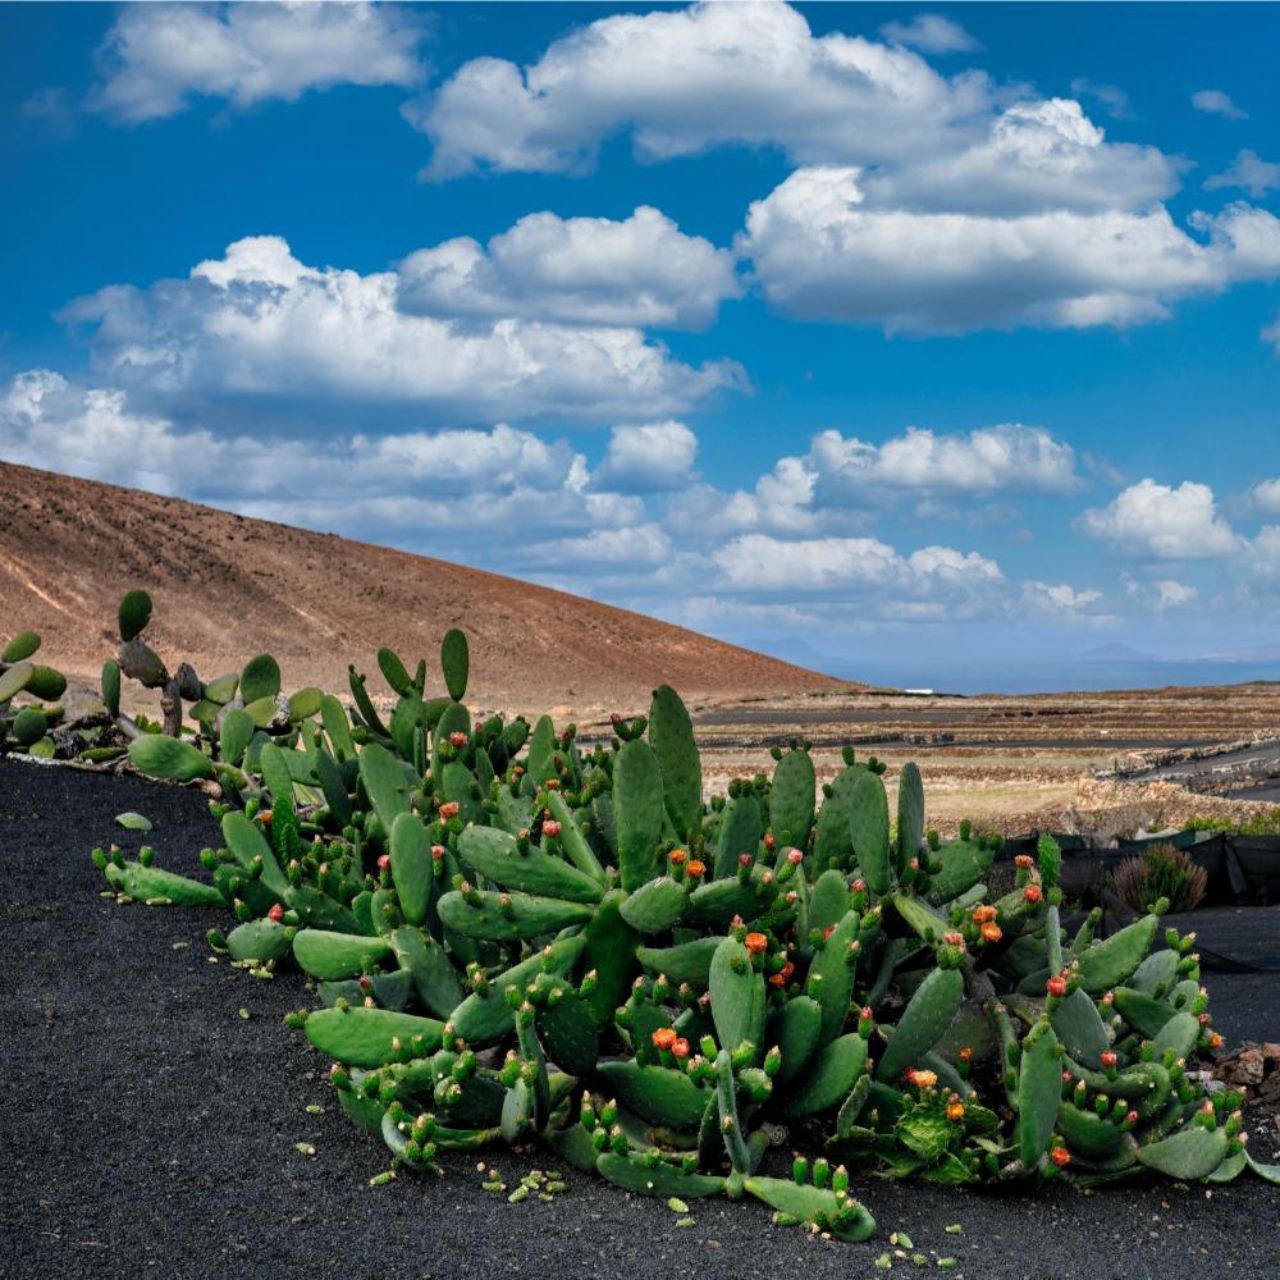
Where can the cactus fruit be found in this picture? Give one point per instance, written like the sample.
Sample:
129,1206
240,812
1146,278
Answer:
668,978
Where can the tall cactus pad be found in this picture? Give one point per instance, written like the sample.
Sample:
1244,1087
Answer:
791,800
910,814
169,758
869,819
455,662
671,737
637,808
134,614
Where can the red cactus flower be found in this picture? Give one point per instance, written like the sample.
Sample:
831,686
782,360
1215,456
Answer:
1131,1118
1060,1156
551,828
677,857
1109,998
859,885
745,860
991,932
828,931
953,939
1033,893
384,862
1203,1019
664,1038
1024,862
965,1054
865,1014
769,842
755,943
449,810
1056,986
1109,1059
458,740
437,852
795,856
680,1047
552,784
276,913
696,869
783,976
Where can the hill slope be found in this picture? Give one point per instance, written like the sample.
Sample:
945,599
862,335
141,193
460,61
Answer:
226,587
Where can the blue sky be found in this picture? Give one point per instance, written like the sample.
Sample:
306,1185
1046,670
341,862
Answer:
933,346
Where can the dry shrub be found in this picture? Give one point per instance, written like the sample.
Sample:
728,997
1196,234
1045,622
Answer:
1161,871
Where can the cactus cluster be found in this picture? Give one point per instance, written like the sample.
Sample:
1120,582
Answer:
29,693
519,935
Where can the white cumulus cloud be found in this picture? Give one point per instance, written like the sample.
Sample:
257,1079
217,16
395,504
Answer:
822,251
157,57
682,81
260,325
640,271
652,457
1157,521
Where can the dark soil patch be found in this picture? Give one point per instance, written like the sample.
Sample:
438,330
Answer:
149,1130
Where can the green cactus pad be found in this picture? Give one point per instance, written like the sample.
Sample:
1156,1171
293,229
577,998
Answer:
13,680
1089,1135
741,829
611,946
963,864
910,814
23,646
654,907
1145,1014
869,826
737,996
832,836
385,783
29,726
172,759
828,1081
363,1037
259,941
671,737
411,866
1159,971
657,1179
151,884
1079,1027
570,1032
304,704
110,687
502,917
688,962
337,955
928,1014
796,1029
260,678
1039,1093
791,799
637,807
828,899
434,979
660,1095
455,662
846,1219
250,848
1179,1034
496,855
1189,1156
1107,964
133,614
393,672
835,970
389,990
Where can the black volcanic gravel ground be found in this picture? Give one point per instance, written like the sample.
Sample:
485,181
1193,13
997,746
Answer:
149,1130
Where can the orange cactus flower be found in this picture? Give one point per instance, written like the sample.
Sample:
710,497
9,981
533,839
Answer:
680,1048
1109,1059
1023,862
1033,893
783,976
458,740
922,1079
1215,1041
664,1038
265,817
1056,986
955,1111
965,1054
991,932
983,915
696,869
1060,1156
449,810
677,857
755,943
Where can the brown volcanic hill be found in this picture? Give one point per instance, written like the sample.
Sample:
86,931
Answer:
226,587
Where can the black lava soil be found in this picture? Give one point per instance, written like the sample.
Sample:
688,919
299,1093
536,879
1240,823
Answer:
149,1128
